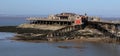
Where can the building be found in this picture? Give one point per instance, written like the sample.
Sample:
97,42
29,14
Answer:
62,19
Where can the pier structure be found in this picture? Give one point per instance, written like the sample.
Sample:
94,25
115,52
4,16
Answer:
66,19
74,22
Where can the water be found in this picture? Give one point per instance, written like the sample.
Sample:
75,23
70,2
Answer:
18,48
12,21
15,20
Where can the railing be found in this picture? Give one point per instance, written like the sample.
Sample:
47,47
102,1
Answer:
110,21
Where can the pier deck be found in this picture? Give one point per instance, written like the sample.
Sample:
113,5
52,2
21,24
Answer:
106,22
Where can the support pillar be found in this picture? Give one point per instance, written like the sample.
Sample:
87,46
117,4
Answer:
113,28
106,26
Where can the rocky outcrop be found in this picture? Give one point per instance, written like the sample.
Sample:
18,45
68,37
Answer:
42,27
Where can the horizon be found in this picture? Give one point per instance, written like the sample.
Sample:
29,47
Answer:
41,15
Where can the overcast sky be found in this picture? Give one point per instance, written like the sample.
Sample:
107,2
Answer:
45,7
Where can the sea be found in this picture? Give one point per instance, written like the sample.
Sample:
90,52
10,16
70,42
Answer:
22,48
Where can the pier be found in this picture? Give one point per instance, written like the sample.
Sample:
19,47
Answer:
69,23
110,29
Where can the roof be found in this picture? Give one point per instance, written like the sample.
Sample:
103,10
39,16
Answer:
66,14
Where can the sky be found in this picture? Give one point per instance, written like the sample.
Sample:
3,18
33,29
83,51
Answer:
110,8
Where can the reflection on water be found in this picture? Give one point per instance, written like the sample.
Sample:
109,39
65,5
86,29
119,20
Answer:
16,48
4,35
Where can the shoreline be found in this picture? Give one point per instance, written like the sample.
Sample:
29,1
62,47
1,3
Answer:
81,40
14,29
